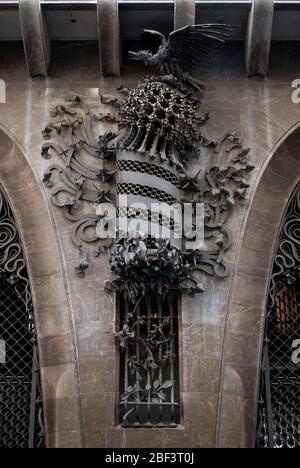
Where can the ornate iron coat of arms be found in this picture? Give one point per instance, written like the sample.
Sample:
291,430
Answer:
152,160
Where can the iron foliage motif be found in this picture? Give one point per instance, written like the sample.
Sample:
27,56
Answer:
279,400
20,394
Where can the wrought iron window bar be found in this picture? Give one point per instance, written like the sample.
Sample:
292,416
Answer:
149,362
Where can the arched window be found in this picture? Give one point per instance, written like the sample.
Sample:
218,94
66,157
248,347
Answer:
279,398
21,424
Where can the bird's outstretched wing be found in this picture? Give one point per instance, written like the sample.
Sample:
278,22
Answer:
191,45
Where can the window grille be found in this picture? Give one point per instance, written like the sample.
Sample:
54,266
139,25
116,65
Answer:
149,362
21,418
279,398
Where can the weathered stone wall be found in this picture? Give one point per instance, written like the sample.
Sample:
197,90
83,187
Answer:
220,330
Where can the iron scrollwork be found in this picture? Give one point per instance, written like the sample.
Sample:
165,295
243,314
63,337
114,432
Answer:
219,187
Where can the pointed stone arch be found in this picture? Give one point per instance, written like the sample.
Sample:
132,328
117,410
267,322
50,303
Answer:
246,313
51,308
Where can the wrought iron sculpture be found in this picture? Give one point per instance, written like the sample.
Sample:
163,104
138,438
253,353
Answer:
160,136
160,120
279,400
20,394
184,48
146,267
219,186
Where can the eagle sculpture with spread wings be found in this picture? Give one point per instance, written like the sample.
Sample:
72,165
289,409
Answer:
185,48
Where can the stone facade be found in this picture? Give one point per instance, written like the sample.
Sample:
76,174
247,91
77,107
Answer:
220,331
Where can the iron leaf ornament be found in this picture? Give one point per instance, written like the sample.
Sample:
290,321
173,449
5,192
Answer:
147,266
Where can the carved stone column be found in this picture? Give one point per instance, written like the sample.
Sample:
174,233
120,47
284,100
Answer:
258,39
185,13
35,39
109,37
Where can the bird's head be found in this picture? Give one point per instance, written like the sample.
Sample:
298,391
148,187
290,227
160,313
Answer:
147,56
142,56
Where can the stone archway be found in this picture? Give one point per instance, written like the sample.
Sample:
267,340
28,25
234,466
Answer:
246,312
55,335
